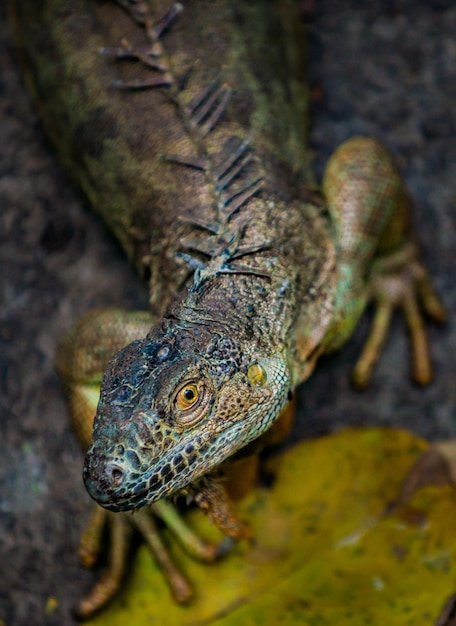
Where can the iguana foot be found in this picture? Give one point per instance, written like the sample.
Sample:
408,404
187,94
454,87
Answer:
120,527
106,588
400,281
211,496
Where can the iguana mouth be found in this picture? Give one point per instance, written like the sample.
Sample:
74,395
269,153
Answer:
117,487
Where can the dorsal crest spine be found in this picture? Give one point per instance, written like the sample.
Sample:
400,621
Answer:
227,174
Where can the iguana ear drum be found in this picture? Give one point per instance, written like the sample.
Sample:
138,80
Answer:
257,375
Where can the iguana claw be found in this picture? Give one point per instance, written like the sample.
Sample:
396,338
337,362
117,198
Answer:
400,281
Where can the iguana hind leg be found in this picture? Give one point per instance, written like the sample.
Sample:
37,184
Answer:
378,259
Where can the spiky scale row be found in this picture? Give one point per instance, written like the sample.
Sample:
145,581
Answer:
200,117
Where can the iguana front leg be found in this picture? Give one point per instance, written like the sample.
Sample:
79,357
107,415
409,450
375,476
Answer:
378,255
120,528
400,281
81,359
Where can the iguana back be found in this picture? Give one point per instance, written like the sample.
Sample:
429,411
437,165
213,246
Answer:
229,101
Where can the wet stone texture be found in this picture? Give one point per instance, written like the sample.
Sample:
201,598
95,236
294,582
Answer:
386,69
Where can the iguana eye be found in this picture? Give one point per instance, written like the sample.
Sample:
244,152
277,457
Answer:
187,397
190,403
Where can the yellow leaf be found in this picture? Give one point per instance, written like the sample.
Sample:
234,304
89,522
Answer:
324,551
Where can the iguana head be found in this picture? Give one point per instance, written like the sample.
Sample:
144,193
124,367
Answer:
175,405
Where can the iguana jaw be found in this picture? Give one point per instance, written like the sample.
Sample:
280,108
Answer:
164,478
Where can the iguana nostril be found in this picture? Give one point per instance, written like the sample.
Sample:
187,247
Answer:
116,475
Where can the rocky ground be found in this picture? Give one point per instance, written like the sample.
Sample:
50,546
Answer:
383,68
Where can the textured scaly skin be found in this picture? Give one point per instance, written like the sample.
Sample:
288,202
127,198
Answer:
117,142
202,178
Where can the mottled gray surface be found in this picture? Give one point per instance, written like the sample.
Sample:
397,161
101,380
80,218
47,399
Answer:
386,69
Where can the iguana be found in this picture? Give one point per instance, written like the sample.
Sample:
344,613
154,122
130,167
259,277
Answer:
185,127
